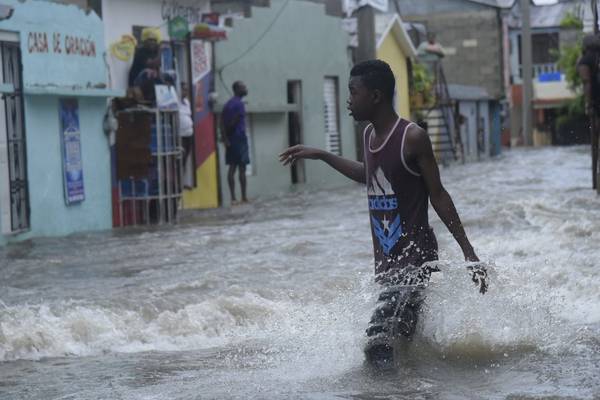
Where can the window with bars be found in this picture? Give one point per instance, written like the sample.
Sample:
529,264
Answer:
14,192
333,141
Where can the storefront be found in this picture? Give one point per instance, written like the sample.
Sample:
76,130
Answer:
54,155
187,58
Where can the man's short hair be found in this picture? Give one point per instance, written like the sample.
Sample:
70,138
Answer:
591,43
376,74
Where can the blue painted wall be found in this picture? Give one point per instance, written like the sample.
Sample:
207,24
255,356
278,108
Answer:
56,70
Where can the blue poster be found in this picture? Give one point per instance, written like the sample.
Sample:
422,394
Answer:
71,151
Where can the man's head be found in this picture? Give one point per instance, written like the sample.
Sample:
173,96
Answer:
151,37
431,37
372,85
239,89
591,43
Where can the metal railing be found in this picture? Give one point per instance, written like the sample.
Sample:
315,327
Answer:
441,121
155,199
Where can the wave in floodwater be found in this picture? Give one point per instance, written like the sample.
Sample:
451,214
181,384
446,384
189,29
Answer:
516,315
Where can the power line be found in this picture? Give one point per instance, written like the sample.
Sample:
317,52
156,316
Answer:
251,47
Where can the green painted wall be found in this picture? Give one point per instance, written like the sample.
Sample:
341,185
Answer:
303,44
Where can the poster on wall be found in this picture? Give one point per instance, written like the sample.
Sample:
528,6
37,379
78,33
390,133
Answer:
71,151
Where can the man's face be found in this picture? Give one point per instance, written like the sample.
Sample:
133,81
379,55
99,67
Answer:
431,38
242,90
151,44
361,101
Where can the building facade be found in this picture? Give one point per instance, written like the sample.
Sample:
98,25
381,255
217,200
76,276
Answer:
54,155
297,80
551,91
471,33
191,59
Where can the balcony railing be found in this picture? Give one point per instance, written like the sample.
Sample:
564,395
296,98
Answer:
538,69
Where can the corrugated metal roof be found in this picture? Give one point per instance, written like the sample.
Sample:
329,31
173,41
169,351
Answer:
550,15
495,3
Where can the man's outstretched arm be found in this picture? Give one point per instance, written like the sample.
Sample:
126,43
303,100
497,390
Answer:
352,169
419,146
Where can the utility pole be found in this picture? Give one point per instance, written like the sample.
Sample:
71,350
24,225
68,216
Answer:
365,16
366,50
594,119
527,73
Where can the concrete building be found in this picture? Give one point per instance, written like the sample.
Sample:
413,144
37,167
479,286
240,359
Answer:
54,155
550,88
472,35
294,60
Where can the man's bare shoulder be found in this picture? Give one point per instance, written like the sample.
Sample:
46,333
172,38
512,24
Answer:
417,139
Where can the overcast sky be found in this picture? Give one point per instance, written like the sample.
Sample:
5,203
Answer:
545,1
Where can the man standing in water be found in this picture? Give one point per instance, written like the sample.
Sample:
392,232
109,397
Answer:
236,142
402,176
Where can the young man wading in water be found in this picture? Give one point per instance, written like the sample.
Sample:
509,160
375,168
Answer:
402,176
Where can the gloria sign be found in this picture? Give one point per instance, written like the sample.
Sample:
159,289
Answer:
60,45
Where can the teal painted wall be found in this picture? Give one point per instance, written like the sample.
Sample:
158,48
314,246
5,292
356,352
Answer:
50,216
60,64
303,44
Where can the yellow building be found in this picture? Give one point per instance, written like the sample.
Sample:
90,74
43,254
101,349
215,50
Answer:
395,47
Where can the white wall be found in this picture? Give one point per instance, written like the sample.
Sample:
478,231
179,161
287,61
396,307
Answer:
121,15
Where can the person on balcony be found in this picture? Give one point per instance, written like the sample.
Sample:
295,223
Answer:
430,51
147,55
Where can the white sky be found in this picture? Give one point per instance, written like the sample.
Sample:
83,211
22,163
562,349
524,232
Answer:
539,2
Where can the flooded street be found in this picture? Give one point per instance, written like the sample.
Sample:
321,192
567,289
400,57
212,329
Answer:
271,300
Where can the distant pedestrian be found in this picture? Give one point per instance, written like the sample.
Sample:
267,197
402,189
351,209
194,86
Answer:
233,131
588,68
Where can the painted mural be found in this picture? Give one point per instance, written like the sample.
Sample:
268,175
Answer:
205,194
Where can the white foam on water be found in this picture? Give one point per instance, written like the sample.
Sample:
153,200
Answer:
543,285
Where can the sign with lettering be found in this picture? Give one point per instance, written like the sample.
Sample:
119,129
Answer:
60,45
37,42
172,9
201,59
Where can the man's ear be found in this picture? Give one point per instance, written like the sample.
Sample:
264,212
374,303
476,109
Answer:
377,96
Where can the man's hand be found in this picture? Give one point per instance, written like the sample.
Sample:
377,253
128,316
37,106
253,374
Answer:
300,151
470,255
479,276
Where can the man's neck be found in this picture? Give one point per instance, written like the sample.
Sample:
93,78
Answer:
384,121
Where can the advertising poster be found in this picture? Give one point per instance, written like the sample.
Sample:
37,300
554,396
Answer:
71,151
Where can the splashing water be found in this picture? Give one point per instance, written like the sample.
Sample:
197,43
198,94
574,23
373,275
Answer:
271,300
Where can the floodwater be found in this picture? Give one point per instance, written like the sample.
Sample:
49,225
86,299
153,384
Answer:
271,300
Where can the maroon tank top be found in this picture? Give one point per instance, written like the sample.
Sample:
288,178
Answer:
398,205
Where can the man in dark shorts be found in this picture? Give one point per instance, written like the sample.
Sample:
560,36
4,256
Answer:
233,131
402,176
588,69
